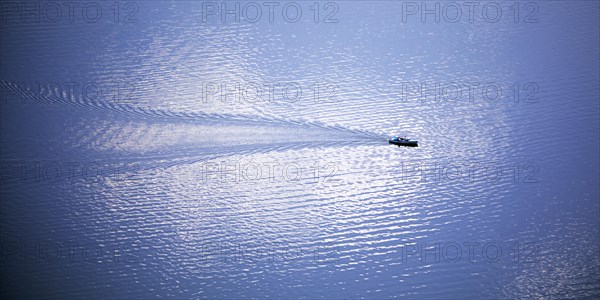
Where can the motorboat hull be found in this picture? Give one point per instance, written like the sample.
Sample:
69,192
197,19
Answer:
405,143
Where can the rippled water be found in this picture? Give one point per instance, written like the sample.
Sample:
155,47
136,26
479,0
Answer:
162,186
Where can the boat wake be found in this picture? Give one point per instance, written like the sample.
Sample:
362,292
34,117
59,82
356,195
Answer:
96,129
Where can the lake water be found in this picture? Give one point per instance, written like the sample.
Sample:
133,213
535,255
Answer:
168,149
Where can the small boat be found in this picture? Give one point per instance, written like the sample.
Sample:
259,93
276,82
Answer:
403,142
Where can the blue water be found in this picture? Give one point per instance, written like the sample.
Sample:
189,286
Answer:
138,160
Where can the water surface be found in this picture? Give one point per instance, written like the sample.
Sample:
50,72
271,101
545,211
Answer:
162,187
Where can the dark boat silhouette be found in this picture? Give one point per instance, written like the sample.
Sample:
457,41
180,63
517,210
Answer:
400,141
